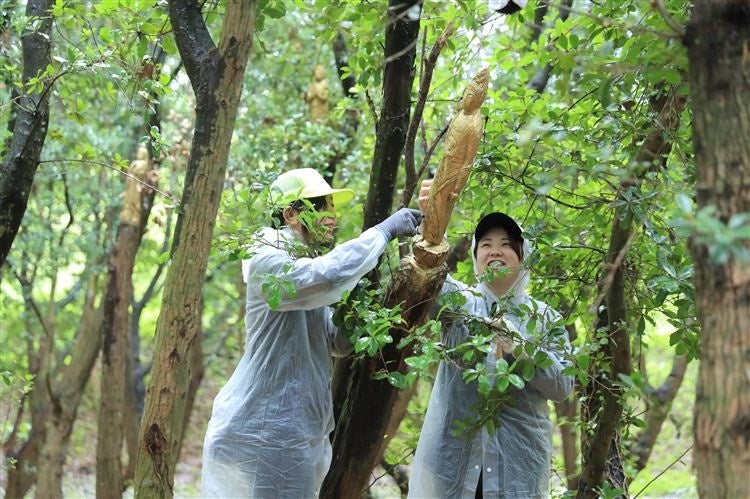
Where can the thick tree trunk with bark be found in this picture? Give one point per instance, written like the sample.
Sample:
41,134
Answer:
115,331
415,286
398,77
217,76
718,41
30,127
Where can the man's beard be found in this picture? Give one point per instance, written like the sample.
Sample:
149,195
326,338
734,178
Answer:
321,239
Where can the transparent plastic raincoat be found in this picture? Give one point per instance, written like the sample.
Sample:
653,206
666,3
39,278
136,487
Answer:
268,432
515,461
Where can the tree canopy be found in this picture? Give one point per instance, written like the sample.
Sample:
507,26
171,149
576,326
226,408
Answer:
588,141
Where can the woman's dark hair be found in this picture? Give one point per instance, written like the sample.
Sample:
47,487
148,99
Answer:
318,203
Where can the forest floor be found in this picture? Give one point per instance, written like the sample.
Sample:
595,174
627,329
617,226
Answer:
672,475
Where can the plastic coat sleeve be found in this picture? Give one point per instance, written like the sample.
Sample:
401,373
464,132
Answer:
550,381
318,281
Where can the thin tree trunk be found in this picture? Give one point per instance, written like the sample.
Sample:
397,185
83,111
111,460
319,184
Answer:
65,388
601,445
351,116
659,402
566,413
718,41
541,77
30,127
217,77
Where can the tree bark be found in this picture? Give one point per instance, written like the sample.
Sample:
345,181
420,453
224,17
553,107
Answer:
115,331
351,116
30,127
398,77
54,405
718,42
415,286
66,398
217,77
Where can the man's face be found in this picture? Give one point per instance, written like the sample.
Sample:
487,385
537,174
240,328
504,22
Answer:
495,254
319,226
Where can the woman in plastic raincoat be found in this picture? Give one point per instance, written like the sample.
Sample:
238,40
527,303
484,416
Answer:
515,461
268,433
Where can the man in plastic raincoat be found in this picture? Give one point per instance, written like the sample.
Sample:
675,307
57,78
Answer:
268,433
515,461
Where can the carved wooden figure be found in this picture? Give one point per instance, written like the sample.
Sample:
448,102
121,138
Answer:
317,94
461,144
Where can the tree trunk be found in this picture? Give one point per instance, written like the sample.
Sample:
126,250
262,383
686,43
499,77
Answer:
351,116
30,127
566,413
415,286
64,388
217,77
718,41
398,77
115,330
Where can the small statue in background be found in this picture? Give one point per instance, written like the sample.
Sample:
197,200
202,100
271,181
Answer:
317,94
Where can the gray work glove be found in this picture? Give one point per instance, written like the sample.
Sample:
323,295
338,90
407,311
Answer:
402,223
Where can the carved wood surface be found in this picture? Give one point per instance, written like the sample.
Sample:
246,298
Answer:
461,144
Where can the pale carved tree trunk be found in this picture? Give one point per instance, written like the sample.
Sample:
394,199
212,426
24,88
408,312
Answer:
718,41
415,286
115,331
217,76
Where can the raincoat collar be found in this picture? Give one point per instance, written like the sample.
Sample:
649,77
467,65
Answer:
268,236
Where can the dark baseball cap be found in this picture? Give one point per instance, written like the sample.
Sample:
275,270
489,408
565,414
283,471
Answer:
496,219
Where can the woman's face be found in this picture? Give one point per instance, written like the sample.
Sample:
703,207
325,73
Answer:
495,255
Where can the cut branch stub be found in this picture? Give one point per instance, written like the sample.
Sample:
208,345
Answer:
461,144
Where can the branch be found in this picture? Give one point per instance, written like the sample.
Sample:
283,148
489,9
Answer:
678,28
424,89
659,401
126,174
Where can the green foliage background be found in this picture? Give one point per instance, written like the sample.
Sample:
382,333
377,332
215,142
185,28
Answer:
560,161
